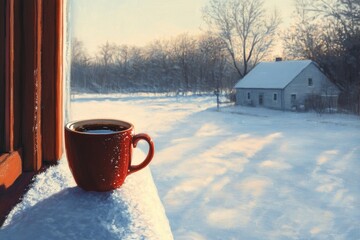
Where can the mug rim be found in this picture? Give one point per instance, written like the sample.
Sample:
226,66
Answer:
70,125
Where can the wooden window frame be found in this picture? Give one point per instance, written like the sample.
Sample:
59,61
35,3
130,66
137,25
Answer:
275,97
310,82
31,115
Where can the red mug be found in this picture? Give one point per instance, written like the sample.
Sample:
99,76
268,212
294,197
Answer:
99,152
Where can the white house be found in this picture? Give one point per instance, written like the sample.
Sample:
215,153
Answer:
285,85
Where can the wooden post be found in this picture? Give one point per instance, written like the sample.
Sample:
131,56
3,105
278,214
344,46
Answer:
9,77
52,46
30,73
31,121
2,75
10,149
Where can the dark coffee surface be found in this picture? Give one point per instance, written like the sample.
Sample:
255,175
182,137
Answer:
100,128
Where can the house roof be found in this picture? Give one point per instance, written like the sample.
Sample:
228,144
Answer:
273,75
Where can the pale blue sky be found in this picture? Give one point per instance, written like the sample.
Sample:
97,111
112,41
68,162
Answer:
136,22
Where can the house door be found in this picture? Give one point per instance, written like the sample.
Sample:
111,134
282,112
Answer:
261,99
293,99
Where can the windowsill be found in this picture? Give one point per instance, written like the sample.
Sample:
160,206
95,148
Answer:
55,208
9,197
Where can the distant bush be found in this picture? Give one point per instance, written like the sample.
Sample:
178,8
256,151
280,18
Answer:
350,101
321,104
316,103
231,96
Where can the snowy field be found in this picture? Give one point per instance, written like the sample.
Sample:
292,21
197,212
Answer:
238,173
245,173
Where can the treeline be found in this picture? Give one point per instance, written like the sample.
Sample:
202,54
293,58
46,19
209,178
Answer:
179,65
240,35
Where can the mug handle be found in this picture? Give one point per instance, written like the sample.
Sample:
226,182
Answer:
136,138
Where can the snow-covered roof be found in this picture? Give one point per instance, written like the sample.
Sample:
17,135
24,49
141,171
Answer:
275,75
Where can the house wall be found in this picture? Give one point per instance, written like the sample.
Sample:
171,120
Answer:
268,97
300,87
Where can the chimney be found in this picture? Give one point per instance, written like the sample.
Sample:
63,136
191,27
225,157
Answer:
278,59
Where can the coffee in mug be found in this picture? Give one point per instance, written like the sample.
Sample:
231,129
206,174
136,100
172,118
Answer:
99,152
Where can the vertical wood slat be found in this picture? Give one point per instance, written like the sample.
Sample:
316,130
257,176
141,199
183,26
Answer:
9,77
17,76
10,153
2,75
21,52
24,79
31,120
59,127
48,74
22,49
52,46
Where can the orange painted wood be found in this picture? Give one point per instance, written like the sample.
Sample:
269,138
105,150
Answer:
2,75
10,169
49,73
10,159
9,77
17,75
11,196
31,83
52,48
59,126
27,47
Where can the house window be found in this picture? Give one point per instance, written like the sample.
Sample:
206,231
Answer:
248,96
275,97
310,82
293,98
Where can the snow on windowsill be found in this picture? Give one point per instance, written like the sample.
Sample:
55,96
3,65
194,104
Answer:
55,208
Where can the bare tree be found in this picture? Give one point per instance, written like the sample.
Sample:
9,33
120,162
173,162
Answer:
184,49
245,29
304,39
80,63
328,32
106,58
214,59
